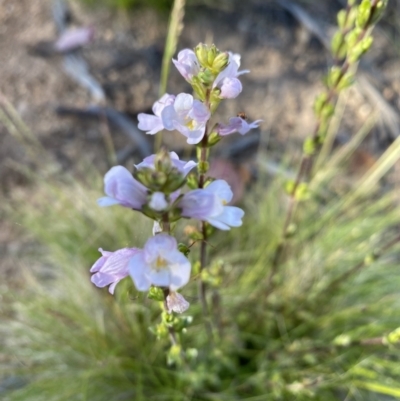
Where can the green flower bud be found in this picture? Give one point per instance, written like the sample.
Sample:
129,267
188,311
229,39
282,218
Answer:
309,146
377,12
167,318
199,89
328,110
361,48
334,76
289,187
211,55
353,37
144,176
156,293
174,356
175,181
201,51
341,19
338,46
346,81
213,138
364,13
320,103
206,77
302,192
159,178
215,100
220,62
191,181
203,167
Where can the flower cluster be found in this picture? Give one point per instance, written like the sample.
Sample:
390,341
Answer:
213,76
160,199
157,186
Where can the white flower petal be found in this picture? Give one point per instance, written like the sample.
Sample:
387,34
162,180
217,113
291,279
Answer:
230,88
200,204
180,272
169,116
231,216
107,201
221,189
164,101
183,103
160,278
137,270
157,244
149,123
218,224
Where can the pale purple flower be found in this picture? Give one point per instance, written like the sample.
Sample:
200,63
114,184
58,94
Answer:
187,64
187,115
112,267
237,124
177,303
160,264
121,188
158,202
182,166
209,204
72,39
153,123
227,79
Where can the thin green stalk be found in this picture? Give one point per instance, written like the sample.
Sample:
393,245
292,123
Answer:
338,78
166,228
332,132
202,290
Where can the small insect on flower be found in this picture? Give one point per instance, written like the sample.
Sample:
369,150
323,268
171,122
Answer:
242,114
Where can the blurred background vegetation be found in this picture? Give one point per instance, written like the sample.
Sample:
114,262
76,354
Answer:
325,328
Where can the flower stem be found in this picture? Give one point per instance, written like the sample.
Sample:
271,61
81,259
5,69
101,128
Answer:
202,287
166,227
